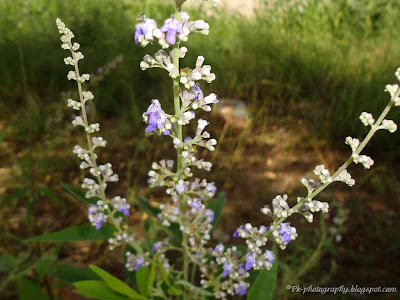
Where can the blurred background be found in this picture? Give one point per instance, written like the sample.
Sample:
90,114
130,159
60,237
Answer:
293,77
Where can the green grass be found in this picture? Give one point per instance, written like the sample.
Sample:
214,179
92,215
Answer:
325,65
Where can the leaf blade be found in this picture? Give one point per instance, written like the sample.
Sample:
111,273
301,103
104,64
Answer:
97,290
115,284
84,232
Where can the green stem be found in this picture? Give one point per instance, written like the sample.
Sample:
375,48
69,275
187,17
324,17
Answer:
180,166
362,145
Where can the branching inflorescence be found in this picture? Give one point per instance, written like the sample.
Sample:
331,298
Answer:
224,270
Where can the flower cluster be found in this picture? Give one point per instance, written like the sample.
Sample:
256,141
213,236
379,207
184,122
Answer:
172,32
224,270
105,209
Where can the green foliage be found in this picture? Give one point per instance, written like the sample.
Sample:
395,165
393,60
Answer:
85,232
329,60
28,290
264,286
98,290
115,284
142,280
69,273
78,194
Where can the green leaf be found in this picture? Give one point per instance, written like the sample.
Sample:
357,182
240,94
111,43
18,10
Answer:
79,194
115,284
165,275
28,290
174,291
84,232
264,285
69,273
194,288
152,276
97,290
142,280
173,230
217,206
51,195
147,207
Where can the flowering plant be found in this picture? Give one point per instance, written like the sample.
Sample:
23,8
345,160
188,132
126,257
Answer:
205,271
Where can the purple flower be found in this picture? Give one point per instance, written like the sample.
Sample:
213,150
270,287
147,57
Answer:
210,215
196,205
121,205
219,249
250,261
270,256
180,188
156,116
139,262
172,27
242,271
197,92
96,216
124,209
228,268
241,228
286,232
241,288
236,233
187,139
142,29
156,246
211,188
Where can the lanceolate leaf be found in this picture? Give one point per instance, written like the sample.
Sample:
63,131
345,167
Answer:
69,273
97,290
264,285
85,232
142,280
78,194
115,284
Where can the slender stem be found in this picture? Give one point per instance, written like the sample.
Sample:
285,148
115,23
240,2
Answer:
362,145
93,155
177,106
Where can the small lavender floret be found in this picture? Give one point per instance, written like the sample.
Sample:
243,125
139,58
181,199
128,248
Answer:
250,261
210,215
144,30
156,246
171,27
270,256
227,268
219,249
240,289
286,232
156,118
196,204
96,216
